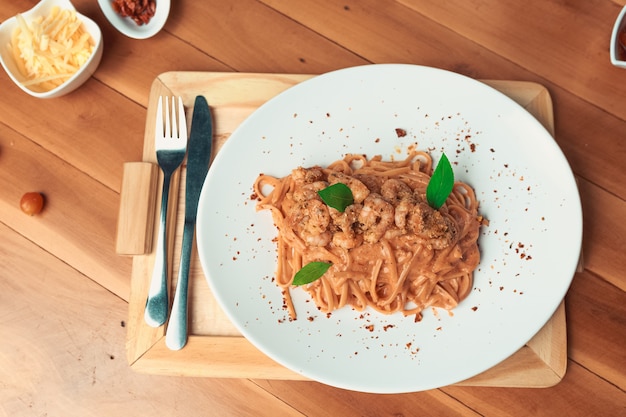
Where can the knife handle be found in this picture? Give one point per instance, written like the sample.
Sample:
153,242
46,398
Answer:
176,335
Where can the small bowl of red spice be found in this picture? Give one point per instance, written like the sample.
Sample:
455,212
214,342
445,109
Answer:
137,19
618,41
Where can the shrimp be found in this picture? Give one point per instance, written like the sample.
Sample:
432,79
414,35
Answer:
347,240
403,210
394,190
437,230
308,191
375,218
307,175
311,219
346,224
359,190
320,240
373,182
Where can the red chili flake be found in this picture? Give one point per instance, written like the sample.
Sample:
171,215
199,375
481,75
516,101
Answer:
400,132
370,327
474,308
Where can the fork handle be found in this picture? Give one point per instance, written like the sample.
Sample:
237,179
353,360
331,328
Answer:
176,335
155,313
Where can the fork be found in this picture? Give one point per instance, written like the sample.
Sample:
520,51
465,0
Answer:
171,145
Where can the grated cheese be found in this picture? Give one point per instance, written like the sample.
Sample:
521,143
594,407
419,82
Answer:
49,50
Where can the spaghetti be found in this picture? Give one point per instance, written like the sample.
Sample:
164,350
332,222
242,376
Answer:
389,250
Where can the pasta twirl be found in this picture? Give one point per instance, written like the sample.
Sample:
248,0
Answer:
389,250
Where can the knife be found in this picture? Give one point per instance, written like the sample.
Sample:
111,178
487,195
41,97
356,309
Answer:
198,159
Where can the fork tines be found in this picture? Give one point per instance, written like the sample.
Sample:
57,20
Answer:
174,126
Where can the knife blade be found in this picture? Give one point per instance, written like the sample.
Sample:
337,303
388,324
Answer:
198,159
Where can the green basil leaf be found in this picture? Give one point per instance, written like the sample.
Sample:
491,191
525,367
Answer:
310,272
338,196
440,184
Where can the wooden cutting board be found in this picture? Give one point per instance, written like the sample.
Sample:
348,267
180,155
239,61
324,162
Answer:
215,347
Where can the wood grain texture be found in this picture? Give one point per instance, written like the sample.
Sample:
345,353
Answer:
64,292
596,324
63,351
135,221
61,227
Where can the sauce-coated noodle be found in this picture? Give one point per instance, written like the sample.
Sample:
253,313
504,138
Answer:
389,250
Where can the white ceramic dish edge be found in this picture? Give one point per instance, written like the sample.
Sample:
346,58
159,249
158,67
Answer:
615,45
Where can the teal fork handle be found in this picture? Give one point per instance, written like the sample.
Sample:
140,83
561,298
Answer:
155,313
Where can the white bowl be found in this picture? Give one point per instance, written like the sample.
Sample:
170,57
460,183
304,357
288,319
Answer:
43,8
618,54
131,29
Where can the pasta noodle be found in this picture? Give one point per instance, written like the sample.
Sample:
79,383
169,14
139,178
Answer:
389,250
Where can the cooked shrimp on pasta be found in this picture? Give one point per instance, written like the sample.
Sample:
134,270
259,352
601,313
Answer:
388,249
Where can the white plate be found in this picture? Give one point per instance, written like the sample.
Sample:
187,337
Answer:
525,186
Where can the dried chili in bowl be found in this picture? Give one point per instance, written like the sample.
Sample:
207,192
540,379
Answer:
141,11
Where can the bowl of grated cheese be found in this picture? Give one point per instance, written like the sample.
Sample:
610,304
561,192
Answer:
51,49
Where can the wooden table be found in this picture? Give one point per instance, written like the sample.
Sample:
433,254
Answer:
65,293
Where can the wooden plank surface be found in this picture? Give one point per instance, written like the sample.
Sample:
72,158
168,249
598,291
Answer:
64,349
64,292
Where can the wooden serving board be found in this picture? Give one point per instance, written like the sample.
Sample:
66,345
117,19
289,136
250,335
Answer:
215,347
